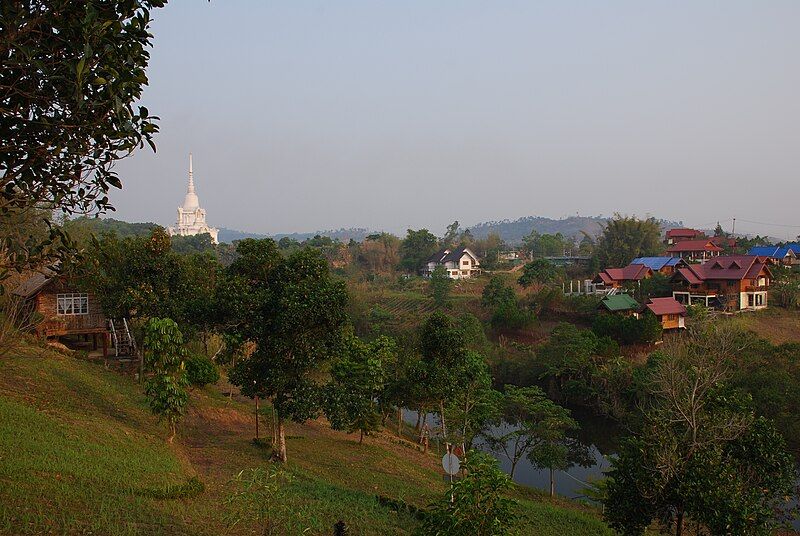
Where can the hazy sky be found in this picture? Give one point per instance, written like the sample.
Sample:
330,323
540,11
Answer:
391,114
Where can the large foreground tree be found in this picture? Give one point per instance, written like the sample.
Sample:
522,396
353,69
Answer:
71,73
293,312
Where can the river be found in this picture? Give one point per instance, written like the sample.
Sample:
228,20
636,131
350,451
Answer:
599,435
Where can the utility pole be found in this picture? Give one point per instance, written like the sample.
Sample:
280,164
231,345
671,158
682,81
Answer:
733,230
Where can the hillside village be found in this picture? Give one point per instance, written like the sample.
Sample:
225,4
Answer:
513,304
580,375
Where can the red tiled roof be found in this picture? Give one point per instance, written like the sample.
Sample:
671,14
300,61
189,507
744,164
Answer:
666,306
632,272
693,245
736,267
683,232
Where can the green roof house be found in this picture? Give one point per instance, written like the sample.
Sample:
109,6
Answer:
620,303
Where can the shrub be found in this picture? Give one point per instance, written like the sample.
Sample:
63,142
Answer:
201,371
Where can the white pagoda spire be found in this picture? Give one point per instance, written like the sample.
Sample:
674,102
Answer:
191,176
191,202
192,218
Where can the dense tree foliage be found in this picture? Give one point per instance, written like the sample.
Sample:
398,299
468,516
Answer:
538,272
440,286
293,312
625,238
546,245
504,305
358,379
477,504
416,248
701,454
646,329
531,426
71,74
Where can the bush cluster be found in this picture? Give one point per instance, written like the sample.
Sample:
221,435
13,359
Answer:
201,371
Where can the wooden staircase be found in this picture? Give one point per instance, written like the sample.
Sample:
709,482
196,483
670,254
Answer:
123,340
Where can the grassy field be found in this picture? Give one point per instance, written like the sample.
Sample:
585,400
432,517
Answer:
81,454
776,324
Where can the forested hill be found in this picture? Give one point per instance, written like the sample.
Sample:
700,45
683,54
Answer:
513,231
343,235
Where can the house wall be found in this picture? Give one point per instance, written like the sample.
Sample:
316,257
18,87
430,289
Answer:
53,324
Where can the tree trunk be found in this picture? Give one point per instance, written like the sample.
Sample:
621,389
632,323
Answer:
274,428
513,468
441,414
257,418
418,426
399,422
280,454
552,483
171,431
361,437
679,524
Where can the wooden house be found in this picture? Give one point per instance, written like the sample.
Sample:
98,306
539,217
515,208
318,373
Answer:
733,283
670,313
63,309
673,236
617,277
694,250
788,255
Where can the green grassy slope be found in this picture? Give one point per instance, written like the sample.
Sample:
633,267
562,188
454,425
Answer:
80,454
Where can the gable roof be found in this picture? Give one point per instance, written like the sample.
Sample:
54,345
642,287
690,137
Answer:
632,272
666,306
620,302
657,263
733,267
775,252
683,232
34,284
693,245
447,255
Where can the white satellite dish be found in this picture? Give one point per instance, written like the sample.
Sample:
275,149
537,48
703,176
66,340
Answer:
451,464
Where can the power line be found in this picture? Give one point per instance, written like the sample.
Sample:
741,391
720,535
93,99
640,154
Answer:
772,224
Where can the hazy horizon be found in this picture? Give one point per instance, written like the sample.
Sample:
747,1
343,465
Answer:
308,116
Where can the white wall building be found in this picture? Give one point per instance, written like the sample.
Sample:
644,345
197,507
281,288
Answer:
192,218
460,263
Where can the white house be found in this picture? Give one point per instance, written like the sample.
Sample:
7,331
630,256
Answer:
460,263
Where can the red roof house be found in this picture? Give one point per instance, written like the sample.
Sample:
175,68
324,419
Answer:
694,249
670,312
616,277
678,235
733,282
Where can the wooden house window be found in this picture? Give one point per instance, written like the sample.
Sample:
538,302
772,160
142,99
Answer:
72,304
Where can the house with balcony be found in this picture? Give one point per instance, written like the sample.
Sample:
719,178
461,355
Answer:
62,309
673,236
694,250
460,263
730,283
